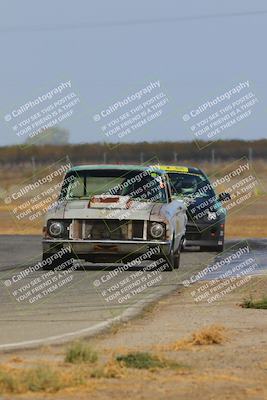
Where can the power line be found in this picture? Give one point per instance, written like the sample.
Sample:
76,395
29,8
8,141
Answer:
113,24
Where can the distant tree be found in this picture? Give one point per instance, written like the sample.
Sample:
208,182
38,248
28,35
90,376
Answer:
54,136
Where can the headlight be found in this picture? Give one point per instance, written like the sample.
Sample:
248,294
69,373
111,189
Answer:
211,216
56,229
157,230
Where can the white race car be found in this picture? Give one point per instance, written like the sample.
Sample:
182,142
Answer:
112,214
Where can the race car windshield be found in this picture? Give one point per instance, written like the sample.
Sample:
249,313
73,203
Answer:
187,185
139,185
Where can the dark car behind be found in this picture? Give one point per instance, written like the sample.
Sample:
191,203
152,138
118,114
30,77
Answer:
206,215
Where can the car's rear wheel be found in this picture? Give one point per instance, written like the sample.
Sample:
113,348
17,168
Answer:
220,248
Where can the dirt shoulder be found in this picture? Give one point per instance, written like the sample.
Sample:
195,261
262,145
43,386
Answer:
234,369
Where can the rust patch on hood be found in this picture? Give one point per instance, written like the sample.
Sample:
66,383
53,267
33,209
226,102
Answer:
104,199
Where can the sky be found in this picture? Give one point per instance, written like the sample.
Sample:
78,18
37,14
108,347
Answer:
192,52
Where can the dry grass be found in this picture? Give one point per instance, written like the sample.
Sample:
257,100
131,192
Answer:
214,334
79,375
258,304
214,372
80,352
111,370
246,226
41,378
250,221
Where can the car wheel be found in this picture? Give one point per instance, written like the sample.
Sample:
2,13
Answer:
219,248
173,260
176,260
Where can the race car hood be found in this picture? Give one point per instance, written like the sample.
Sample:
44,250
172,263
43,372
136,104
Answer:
113,207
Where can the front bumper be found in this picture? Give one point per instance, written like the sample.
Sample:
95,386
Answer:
204,234
90,248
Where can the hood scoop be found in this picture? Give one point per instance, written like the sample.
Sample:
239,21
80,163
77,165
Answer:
109,201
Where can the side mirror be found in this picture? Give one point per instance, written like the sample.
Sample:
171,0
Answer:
224,196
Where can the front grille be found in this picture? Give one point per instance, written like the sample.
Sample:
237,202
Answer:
137,229
107,229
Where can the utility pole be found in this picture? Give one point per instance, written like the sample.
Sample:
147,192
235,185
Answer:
33,168
141,157
104,158
175,157
250,154
67,159
213,157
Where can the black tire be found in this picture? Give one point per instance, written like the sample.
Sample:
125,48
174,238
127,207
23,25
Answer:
176,261
219,248
173,260
177,255
56,263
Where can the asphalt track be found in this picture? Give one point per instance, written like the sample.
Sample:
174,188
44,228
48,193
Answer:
90,299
